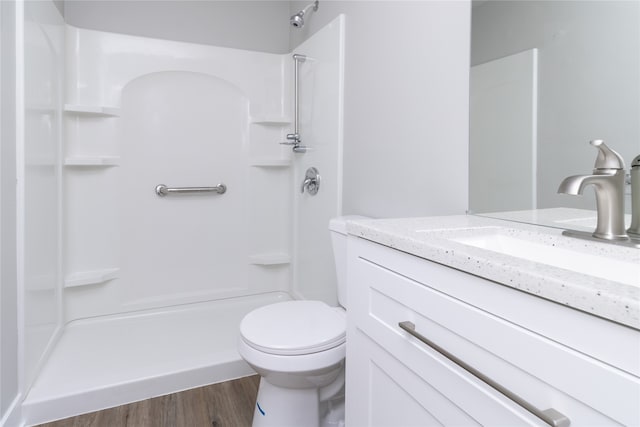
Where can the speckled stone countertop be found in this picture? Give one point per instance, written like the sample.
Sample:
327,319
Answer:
431,238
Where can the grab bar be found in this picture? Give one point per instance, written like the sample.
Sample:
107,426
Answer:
162,190
549,416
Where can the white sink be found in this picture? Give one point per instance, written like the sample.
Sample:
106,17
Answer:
618,264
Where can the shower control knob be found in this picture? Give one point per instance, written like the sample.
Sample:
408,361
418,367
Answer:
312,188
311,182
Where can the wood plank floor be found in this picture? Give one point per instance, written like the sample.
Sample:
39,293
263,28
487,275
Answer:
227,404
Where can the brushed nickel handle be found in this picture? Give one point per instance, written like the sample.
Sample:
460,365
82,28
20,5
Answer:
549,416
162,190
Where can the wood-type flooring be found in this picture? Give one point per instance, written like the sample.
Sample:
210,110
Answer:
227,404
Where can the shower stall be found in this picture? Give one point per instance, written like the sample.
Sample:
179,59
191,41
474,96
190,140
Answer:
123,294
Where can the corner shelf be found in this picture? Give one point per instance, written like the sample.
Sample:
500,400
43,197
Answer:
96,161
93,277
92,110
269,162
275,258
270,120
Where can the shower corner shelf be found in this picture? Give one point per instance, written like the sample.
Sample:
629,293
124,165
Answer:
271,120
93,277
95,161
270,162
92,110
270,259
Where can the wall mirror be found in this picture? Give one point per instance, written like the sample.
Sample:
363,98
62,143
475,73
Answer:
547,77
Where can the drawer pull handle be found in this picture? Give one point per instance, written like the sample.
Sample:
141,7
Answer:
549,416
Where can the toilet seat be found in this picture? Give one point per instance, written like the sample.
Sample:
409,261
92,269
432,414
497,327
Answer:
294,328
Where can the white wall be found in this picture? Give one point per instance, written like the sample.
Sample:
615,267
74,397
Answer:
502,125
8,279
589,63
59,4
406,104
252,25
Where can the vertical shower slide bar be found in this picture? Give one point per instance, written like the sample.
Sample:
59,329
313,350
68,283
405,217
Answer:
297,59
294,138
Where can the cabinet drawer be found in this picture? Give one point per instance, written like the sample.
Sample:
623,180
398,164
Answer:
396,396
541,371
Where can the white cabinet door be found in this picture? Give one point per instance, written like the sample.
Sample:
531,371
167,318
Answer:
382,392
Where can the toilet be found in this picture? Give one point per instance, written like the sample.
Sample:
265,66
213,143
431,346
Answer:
298,348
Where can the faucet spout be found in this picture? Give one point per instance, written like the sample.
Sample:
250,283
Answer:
575,185
608,185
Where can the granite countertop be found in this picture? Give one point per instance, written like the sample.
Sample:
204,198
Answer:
430,238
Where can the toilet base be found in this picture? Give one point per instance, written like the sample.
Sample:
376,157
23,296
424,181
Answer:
294,407
332,411
286,407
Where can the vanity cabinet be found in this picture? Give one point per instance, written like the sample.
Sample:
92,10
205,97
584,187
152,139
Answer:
550,356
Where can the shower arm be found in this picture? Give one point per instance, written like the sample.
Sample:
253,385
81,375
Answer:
313,5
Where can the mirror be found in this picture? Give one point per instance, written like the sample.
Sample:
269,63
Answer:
546,78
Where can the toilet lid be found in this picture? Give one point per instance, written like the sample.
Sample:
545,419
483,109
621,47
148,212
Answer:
294,327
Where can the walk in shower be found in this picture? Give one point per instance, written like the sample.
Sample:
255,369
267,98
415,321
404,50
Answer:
132,292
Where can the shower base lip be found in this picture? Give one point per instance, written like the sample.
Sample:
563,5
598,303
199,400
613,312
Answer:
98,364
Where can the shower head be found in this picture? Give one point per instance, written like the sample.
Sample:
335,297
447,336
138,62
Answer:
297,20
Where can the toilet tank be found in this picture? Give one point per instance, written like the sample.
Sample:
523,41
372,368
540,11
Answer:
338,229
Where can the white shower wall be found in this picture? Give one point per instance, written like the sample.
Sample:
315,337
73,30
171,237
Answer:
39,122
183,115
321,129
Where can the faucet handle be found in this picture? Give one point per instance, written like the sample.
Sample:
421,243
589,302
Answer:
607,158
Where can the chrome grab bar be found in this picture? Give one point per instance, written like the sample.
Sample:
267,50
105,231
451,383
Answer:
549,416
162,190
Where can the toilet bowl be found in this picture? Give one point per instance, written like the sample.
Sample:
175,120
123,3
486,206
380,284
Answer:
298,348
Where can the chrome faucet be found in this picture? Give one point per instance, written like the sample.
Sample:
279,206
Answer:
608,182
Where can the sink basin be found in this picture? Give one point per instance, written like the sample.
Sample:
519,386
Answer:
617,264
